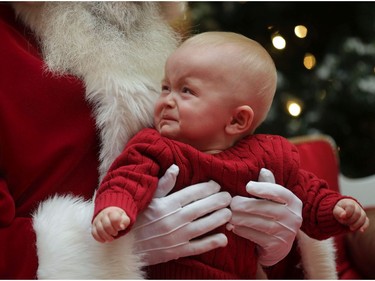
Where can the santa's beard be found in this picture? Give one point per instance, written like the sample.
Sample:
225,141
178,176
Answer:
118,49
79,36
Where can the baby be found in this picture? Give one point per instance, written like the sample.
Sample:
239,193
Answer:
218,88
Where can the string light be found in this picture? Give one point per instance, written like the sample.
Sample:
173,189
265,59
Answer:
309,61
278,42
294,108
300,31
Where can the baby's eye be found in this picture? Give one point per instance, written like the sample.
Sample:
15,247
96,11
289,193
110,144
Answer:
165,88
186,90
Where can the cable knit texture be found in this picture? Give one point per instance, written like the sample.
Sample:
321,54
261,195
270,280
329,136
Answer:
133,178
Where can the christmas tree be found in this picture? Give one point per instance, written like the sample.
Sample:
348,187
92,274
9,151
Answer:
325,58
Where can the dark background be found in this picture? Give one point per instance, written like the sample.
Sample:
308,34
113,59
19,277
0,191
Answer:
341,36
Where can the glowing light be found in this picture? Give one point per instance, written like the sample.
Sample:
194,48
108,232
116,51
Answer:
300,31
309,61
294,108
278,42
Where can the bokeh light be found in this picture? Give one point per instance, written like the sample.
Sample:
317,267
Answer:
309,61
294,108
278,42
300,31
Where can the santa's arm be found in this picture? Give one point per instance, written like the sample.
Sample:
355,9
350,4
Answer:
17,255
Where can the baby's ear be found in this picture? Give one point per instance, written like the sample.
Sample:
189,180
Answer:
241,120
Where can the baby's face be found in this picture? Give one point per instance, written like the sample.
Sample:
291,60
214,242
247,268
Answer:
195,102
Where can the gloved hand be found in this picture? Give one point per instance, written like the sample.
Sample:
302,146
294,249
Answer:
164,231
271,222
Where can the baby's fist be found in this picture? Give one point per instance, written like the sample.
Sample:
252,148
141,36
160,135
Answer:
108,223
349,212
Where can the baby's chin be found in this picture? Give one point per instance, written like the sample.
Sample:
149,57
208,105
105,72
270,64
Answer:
167,133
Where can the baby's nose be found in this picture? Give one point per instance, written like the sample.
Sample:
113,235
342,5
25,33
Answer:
170,101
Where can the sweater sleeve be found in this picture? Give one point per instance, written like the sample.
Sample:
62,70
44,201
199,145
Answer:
317,212
318,200
133,177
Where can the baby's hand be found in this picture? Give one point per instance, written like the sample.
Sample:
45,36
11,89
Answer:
108,223
350,213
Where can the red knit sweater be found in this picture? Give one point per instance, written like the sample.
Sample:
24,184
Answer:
132,180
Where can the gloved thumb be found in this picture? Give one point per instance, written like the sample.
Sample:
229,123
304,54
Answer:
167,182
266,175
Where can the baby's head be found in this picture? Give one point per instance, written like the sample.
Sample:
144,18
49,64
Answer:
218,87
249,69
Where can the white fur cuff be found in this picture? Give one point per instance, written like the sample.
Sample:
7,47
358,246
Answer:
67,250
318,257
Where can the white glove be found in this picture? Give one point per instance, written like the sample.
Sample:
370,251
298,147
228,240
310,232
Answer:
272,221
164,231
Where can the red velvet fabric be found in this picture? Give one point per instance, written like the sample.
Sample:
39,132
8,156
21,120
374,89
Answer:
48,143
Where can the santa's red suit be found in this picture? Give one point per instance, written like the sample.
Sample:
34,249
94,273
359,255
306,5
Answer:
41,153
49,143
55,131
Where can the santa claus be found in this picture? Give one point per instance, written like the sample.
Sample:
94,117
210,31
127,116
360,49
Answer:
78,79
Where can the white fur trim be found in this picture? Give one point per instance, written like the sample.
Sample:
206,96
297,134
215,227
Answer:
66,249
122,108
318,257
